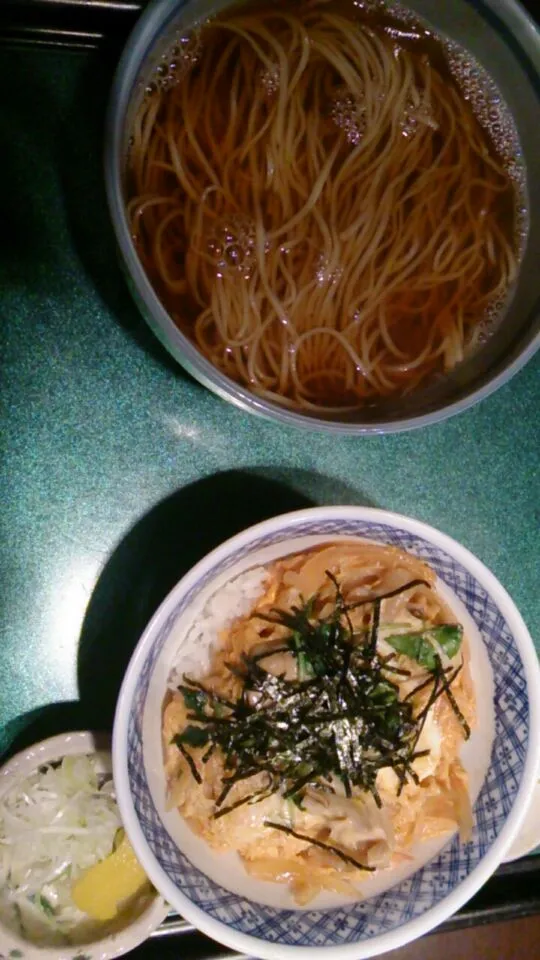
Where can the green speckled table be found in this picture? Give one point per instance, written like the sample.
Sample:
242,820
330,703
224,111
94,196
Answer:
118,471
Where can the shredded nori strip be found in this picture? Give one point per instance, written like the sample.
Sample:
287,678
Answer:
251,799
342,719
189,759
421,686
372,645
319,843
390,593
451,698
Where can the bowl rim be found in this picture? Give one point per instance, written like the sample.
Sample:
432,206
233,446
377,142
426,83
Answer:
412,929
528,838
162,12
113,945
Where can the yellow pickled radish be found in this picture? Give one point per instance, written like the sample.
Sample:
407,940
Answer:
102,888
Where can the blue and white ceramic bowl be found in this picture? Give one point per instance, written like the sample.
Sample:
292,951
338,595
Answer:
502,758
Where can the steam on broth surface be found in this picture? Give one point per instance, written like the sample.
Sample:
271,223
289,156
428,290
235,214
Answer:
317,203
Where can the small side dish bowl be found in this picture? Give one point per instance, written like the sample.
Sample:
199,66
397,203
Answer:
135,923
502,762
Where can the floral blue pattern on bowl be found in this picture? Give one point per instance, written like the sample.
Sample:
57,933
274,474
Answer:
435,881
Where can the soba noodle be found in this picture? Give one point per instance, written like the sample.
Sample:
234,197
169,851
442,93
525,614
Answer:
318,206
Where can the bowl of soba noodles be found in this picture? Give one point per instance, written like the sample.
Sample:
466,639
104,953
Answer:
326,209
328,735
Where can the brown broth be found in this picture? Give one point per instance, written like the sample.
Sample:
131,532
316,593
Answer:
406,32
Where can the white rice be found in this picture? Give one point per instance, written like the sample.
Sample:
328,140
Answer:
234,599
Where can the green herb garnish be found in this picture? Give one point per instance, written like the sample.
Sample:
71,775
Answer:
45,905
422,645
193,737
195,700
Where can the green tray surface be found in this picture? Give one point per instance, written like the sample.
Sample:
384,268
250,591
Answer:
118,471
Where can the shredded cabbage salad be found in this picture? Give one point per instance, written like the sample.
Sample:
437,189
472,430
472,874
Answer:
54,825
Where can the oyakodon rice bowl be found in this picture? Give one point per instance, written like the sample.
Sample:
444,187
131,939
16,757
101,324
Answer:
354,847
322,742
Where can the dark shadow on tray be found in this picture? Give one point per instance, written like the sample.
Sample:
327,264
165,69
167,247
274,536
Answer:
80,165
49,721
162,547
148,562
28,244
